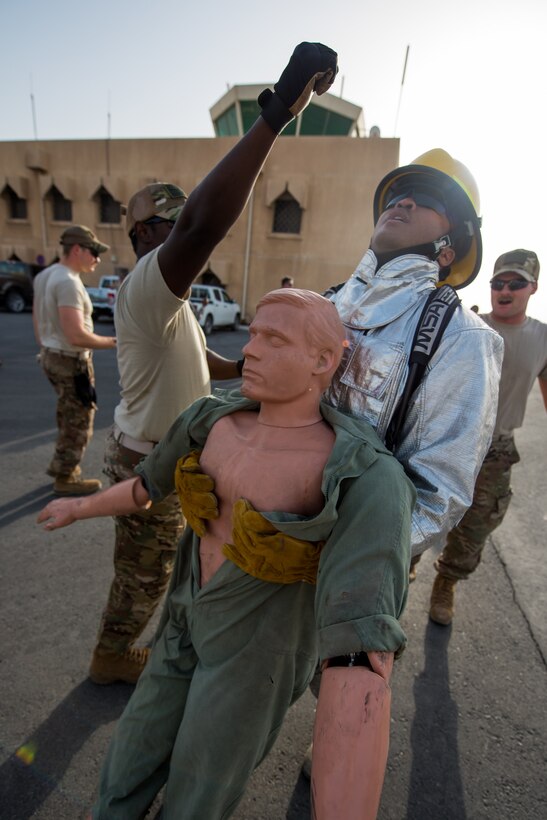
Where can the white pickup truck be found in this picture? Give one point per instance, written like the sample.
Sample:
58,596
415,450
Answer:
214,308
103,298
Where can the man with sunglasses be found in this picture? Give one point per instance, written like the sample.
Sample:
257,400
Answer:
162,357
525,359
63,326
427,232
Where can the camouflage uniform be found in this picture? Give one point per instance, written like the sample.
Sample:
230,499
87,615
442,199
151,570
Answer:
74,420
144,555
465,543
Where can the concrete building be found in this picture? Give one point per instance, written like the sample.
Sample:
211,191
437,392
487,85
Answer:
309,217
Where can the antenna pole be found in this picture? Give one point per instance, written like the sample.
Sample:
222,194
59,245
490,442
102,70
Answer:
33,108
107,145
400,93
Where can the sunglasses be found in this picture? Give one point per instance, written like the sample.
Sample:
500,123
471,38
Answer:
512,284
93,253
423,197
157,220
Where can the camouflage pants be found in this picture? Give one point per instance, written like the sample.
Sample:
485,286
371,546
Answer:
462,553
74,421
144,556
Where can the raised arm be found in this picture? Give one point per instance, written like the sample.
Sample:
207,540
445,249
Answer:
121,499
219,199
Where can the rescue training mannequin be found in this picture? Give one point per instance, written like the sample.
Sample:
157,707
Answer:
322,568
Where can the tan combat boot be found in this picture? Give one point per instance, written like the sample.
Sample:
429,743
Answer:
72,485
76,472
442,600
109,667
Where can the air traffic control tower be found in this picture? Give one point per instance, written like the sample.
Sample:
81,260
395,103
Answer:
325,116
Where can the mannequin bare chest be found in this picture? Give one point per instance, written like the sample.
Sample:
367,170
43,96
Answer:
275,468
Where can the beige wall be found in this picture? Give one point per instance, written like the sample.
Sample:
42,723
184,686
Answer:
333,178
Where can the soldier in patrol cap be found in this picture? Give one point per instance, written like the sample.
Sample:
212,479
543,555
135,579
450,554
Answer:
164,366
513,282
163,360
63,328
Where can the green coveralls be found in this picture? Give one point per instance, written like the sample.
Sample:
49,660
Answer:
229,659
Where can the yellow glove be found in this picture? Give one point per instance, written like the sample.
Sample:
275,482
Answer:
264,552
195,491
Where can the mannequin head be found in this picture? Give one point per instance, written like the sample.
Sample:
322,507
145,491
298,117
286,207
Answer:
296,344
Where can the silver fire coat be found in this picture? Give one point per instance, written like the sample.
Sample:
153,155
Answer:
450,419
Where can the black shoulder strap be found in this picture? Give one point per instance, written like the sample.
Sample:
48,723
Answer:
438,310
333,289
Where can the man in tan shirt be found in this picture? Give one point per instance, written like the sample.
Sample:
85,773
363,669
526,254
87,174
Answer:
64,330
524,360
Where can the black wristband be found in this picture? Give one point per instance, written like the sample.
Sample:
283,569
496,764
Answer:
239,365
274,110
353,659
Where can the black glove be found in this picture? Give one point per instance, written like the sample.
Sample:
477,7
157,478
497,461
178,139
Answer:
312,67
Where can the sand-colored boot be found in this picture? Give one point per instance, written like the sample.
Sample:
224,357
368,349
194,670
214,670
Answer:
110,667
442,600
72,485
54,472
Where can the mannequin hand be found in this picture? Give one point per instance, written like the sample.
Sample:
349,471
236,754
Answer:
59,513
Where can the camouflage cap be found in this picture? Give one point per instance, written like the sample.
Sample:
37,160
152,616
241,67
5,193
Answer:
520,261
83,236
158,199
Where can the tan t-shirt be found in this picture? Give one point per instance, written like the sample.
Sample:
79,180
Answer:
524,360
55,287
161,353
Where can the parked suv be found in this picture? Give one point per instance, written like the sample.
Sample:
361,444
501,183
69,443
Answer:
214,308
15,286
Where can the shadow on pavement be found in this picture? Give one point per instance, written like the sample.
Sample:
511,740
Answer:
300,806
26,504
32,773
435,788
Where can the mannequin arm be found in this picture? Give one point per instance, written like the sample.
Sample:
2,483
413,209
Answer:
121,499
351,740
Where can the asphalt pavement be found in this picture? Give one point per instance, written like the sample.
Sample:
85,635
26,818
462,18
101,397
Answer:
469,725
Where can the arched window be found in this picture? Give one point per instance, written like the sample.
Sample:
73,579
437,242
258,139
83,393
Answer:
109,209
17,206
61,207
287,214
209,277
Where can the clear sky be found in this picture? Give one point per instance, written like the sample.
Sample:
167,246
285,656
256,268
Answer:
475,83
